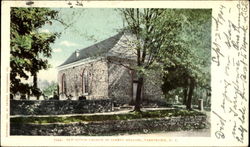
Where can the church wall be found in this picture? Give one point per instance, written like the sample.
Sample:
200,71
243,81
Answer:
152,87
120,83
111,79
98,80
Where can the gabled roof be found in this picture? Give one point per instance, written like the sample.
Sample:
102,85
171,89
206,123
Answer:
97,49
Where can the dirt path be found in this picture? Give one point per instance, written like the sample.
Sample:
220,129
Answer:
122,111
190,133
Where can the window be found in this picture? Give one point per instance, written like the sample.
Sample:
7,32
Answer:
64,86
85,82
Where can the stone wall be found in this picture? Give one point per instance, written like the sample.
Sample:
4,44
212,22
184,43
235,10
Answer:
109,76
111,127
120,82
98,80
55,107
152,87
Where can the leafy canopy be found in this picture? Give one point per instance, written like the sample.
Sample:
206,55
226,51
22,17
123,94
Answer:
29,47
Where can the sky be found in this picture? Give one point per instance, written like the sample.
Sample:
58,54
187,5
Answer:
87,27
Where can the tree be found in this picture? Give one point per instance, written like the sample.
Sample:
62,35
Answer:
194,69
50,89
157,38
29,47
199,30
163,42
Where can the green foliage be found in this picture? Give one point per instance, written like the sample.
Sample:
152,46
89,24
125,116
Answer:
153,36
192,60
171,95
194,38
29,47
174,41
158,33
51,89
88,118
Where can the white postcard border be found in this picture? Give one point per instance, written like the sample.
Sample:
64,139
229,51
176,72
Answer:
218,75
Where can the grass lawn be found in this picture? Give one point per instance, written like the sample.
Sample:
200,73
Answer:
89,118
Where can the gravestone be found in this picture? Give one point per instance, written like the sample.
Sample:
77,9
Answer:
200,104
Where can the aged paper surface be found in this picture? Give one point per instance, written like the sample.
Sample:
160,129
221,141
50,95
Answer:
230,78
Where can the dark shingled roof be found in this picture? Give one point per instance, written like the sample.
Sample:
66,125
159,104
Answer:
97,49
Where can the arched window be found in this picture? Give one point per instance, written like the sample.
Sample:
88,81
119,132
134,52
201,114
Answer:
64,86
85,82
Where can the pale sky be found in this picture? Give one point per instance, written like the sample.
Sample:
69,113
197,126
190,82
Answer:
89,26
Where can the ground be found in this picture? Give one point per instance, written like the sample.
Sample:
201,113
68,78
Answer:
189,133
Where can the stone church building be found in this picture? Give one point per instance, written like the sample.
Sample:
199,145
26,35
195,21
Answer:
104,70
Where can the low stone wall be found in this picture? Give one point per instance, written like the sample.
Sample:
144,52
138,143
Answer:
114,127
55,107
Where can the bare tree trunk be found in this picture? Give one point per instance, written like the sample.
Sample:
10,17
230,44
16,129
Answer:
190,94
138,95
35,80
57,88
35,84
185,93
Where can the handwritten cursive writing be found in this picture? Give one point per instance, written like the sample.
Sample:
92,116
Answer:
230,43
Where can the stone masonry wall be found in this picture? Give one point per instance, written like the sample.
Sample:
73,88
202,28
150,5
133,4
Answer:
111,127
152,87
122,56
121,79
109,78
120,83
55,107
98,80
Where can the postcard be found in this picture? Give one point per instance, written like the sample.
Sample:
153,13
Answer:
124,73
